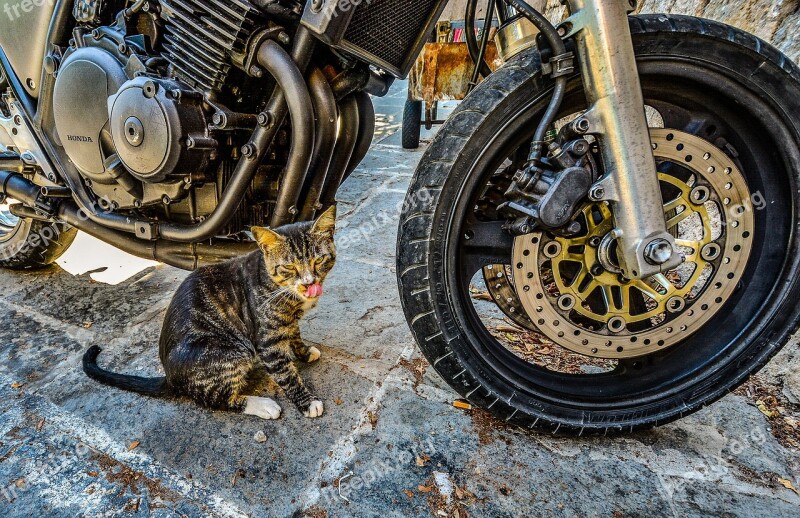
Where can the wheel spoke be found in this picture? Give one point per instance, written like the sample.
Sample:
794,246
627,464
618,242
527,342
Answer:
674,221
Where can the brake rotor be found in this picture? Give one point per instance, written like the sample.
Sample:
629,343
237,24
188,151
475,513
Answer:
571,288
499,283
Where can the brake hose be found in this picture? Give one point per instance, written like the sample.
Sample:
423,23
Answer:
559,51
472,39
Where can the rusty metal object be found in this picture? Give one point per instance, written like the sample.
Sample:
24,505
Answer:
443,71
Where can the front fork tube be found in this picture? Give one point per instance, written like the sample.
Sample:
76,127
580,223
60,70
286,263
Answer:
616,117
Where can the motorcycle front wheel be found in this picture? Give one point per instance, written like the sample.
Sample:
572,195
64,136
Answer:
625,355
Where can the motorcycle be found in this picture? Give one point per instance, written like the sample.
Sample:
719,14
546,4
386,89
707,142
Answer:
626,187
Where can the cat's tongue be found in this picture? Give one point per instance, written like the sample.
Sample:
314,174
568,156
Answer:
314,291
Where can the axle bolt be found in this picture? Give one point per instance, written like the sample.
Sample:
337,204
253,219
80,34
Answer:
658,251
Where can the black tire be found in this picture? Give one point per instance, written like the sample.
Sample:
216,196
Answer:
412,124
756,94
34,244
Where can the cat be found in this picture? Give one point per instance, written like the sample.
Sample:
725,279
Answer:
232,323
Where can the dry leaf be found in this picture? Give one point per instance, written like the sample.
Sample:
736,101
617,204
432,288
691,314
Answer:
463,405
422,460
87,325
763,408
424,489
40,425
132,446
338,401
788,485
16,385
409,493
484,295
509,329
92,473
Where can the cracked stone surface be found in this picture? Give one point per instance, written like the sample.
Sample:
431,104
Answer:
390,442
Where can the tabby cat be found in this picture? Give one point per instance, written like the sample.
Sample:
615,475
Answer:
231,324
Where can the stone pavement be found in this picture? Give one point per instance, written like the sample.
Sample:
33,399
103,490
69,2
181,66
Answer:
390,442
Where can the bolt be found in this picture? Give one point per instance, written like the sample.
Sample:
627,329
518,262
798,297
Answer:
123,48
573,228
219,119
150,89
248,150
582,125
166,200
595,241
264,119
316,5
96,34
581,147
256,71
28,157
658,251
597,270
292,210
137,203
17,120
597,193
284,38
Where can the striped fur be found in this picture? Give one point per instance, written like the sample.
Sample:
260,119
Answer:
231,325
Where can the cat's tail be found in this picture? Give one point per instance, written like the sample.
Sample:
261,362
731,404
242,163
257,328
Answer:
148,386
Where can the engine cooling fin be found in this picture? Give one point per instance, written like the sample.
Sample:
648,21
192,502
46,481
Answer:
201,34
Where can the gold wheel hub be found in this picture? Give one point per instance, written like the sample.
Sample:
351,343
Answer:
571,288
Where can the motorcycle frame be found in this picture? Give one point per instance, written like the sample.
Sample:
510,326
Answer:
616,117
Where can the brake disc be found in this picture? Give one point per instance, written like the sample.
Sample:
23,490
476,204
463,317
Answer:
571,288
500,285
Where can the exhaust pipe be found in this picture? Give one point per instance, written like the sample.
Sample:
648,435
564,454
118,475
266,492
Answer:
187,256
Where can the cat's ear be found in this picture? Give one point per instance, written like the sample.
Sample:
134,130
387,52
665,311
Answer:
267,239
326,223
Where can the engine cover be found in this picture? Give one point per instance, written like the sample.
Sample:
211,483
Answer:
159,129
86,78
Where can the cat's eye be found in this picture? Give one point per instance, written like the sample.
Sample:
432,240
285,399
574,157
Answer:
287,269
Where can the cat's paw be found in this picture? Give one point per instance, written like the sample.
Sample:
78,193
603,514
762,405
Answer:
315,409
262,407
313,354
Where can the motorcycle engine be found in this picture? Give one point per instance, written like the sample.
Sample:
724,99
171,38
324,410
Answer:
137,96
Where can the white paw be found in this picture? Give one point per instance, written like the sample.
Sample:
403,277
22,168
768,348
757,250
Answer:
313,354
263,407
315,409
